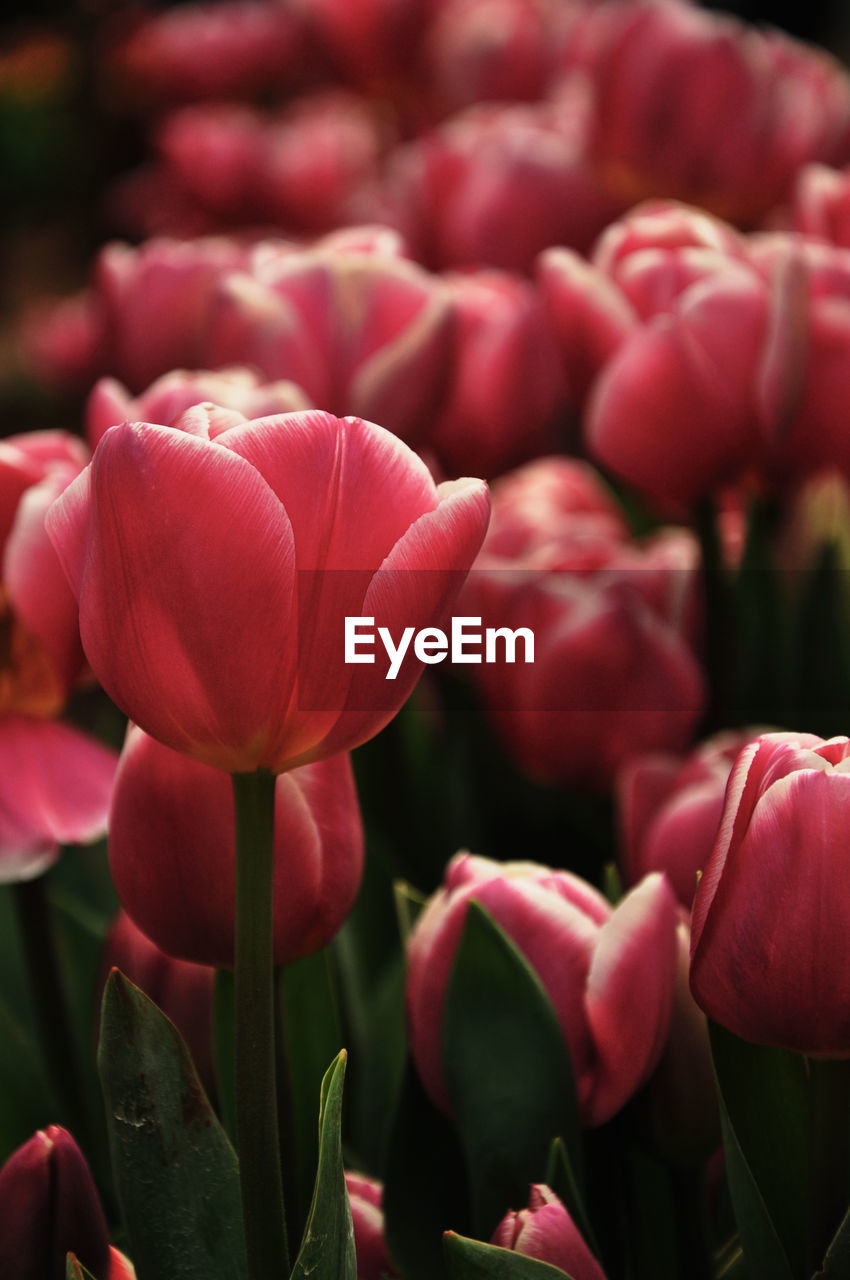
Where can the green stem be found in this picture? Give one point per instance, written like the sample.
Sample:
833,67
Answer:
286,1113
718,617
829,1152
53,1020
256,1098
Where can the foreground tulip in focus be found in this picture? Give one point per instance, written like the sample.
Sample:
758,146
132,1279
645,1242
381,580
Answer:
546,1231
275,545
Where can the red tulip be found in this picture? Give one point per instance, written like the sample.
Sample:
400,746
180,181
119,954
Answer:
373,1257
670,808
506,382
770,916
363,332
48,1207
110,403
607,971
614,670
218,626
172,852
546,1231
820,205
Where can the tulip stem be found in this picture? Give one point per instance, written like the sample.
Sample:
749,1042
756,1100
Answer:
256,1098
717,615
829,1152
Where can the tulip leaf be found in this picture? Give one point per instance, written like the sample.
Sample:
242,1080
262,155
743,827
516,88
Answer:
408,905
507,1069
836,1264
423,1186
74,1269
764,1119
224,1035
23,1086
474,1260
176,1173
561,1178
327,1248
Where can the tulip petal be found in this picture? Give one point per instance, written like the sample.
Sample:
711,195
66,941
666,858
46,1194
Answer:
166,603
630,984
55,786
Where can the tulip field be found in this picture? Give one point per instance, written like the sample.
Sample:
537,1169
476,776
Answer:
424,642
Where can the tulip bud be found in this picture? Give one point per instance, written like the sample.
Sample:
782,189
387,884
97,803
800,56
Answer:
373,1256
546,1231
770,916
608,972
48,1207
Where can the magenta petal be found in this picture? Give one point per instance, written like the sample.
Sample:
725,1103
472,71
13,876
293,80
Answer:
416,586
36,584
167,600
630,993
55,787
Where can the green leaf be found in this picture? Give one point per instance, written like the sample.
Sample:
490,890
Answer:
508,1071
74,1270
224,1036
24,1092
836,1264
408,905
176,1172
764,1119
327,1249
561,1178
473,1260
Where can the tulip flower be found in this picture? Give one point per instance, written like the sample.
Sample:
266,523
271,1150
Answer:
608,972
54,781
276,548
546,1231
362,331
172,852
770,916
110,403
615,625
373,1257
820,204
506,383
670,808
49,1207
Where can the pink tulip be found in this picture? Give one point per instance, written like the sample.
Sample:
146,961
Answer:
373,1257
700,360
770,914
607,971
614,624
153,304
181,989
670,808
362,332
506,384
55,788
820,204
546,1231
110,403
172,852
498,183
493,50
211,154
48,1207
589,315
222,50
55,782
699,106
275,548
